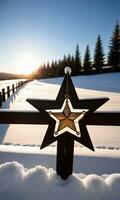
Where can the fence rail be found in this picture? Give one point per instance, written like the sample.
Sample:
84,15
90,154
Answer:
20,117
7,92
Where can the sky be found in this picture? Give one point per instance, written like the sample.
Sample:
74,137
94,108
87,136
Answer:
37,31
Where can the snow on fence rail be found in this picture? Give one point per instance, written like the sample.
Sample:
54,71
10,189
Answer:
6,92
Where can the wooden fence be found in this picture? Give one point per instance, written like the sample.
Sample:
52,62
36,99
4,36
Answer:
9,90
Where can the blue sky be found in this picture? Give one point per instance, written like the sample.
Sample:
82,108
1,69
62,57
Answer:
34,31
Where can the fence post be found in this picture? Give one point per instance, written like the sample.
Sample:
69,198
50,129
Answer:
13,88
16,86
0,99
3,94
8,91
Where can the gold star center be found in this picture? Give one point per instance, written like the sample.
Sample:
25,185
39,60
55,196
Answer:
67,120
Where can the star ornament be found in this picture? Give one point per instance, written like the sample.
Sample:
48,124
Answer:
67,121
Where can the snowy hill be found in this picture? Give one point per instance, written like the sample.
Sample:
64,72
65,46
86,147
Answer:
21,143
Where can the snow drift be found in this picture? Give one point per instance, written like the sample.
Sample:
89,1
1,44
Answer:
19,183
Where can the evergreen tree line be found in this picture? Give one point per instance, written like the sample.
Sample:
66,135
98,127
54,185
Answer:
88,66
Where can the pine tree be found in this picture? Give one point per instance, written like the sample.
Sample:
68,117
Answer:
87,60
69,60
114,48
48,73
72,63
52,69
77,67
61,64
42,71
64,62
56,67
99,55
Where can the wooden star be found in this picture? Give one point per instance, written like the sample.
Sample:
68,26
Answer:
67,91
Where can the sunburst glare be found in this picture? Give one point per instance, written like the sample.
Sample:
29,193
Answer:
27,62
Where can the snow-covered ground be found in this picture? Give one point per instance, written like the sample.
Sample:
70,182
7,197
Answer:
96,174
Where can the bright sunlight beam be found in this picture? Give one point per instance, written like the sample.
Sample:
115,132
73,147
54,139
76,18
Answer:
27,62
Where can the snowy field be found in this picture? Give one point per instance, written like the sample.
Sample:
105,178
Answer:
32,171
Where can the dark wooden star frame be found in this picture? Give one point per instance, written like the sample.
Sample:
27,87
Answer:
65,141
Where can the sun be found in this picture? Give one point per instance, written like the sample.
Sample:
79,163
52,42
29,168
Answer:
27,62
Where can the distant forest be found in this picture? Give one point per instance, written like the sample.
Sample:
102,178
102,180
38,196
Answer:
100,63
